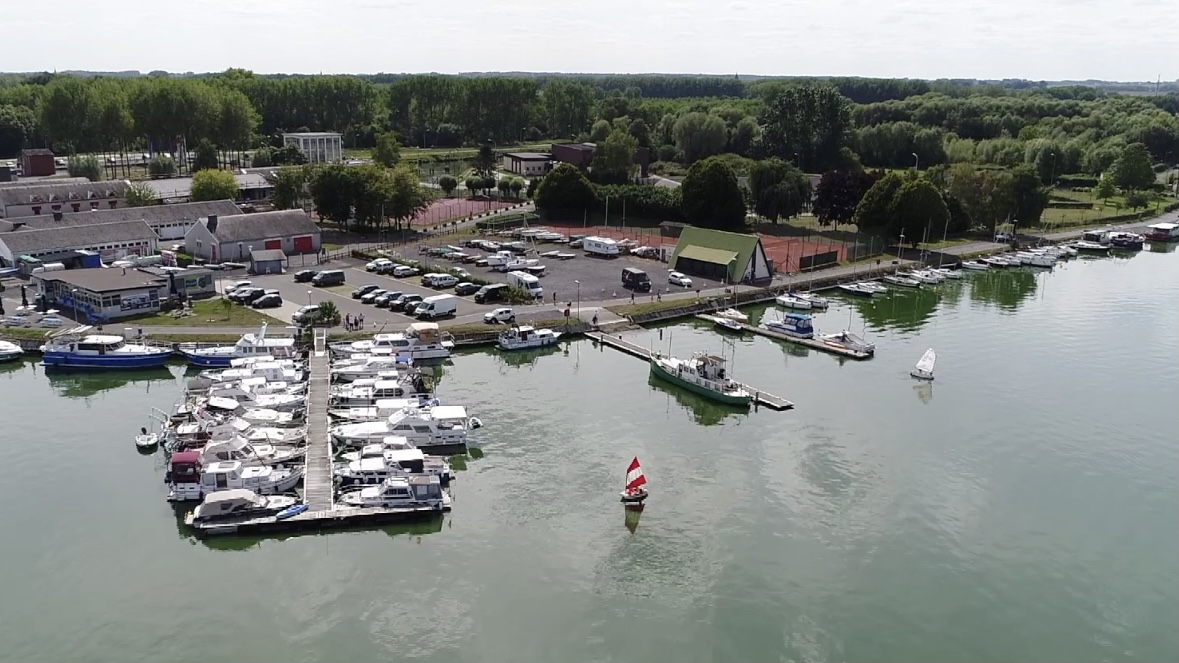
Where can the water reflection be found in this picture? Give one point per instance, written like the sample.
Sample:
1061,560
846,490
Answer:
704,411
632,515
902,309
1161,247
529,358
10,369
924,391
84,384
1007,288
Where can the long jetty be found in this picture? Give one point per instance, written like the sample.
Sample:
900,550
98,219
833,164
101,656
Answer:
812,343
760,396
318,483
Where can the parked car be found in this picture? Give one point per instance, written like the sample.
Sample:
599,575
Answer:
329,278
246,295
238,284
305,275
364,290
1004,238
407,303
378,264
505,315
371,295
460,272
491,293
386,299
466,289
402,271
305,314
676,278
267,301
442,281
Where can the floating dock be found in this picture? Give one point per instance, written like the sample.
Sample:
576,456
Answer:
813,343
318,482
760,396
317,520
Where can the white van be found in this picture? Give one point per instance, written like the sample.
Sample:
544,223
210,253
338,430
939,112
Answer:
526,282
436,307
600,246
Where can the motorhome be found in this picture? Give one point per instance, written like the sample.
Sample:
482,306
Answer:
526,282
600,246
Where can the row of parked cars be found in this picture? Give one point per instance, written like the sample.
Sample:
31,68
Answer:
246,294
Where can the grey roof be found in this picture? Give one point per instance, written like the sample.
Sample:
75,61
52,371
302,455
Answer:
75,237
36,152
181,187
267,255
71,192
313,134
42,181
104,279
150,214
263,225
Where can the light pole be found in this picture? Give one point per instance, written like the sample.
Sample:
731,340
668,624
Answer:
916,162
578,301
74,299
309,298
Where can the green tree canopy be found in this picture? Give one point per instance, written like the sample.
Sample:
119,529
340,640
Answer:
448,184
917,210
1105,188
387,152
565,189
86,166
810,121
205,157
777,189
1028,197
290,186
711,196
699,135
1132,170
837,195
484,160
613,161
213,184
139,194
875,209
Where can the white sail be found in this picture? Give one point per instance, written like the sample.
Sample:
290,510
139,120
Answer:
925,364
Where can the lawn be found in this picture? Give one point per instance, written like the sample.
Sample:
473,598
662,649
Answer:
206,313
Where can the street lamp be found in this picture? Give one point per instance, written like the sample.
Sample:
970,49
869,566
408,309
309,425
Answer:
916,162
74,299
309,298
578,301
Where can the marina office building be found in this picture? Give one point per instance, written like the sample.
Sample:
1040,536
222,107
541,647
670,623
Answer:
103,294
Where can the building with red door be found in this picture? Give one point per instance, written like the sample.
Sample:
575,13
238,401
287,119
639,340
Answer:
37,163
231,238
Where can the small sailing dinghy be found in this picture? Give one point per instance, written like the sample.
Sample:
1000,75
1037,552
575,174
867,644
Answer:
924,368
146,441
635,491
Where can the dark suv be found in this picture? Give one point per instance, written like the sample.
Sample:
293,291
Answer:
305,275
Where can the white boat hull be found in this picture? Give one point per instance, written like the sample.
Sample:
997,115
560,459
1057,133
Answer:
920,374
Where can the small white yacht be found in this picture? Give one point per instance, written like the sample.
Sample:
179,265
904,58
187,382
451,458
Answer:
903,281
526,338
924,368
377,450
439,427
796,325
925,276
790,300
249,345
975,265
238,503
732,314
10,351
226,475
267,417
996,261
420,341
400,492
270,371
220,398
371,367
380,411
370,470
350,395
817,301
239,449
849,341
857,289
945,273
874,287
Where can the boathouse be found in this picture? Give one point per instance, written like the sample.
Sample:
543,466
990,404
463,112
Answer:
722,256
221,238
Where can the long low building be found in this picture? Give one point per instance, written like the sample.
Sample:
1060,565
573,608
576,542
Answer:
724,256
102,295
110,240
171,222
252,187
50,196
221,238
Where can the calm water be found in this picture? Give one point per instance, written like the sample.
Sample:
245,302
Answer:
1024,507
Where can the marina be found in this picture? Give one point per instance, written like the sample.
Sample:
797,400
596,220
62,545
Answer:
812,343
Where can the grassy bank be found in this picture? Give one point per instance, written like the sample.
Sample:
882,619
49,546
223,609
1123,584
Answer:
205,313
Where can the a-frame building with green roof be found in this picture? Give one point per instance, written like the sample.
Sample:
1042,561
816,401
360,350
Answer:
722,256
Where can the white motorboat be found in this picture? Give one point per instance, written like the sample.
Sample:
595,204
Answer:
903,281
442,426
1085,246
377,450
244,399
420,341
349,395
857,289
266,417
238,503
239,449
797,325
728,324
790,300
146,441
924,368
945,273
996,261
849,341
874,287
525,338
269,371
381,410
10,351
732,314
925,276
371,470
249,345
371,367
228,475
400,492
975,265
1042,260
817,301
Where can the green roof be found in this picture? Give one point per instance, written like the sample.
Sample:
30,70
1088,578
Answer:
719,246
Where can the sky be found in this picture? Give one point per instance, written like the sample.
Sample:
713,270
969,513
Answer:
1125,40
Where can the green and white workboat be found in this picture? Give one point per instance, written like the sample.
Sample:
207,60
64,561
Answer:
703,374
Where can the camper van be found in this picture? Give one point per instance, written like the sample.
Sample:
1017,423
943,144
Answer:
526,282
600,246
436,307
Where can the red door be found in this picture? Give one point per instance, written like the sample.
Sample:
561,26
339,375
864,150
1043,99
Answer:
274,244
304,244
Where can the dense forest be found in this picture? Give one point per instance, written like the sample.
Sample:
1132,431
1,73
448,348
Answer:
684,119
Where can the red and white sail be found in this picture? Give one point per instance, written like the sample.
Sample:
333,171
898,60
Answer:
635,478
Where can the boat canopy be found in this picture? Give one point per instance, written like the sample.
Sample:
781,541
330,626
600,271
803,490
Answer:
798,316
231,495
448,412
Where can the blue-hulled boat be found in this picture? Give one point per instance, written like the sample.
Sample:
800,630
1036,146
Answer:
249,345
75,348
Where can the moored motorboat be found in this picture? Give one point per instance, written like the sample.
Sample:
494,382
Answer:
925,276
420,341
422,491
703,374
874,287
728,324
975,265
733,314
1085,246
10,351
903,281
226,475
857,289
524,337
817,301
146,441
849,341
238,503
797,325
438,427
249,345
790,300
76,348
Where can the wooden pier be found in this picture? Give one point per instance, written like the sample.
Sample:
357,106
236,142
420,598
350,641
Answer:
318,483
760,396
812,343
336,518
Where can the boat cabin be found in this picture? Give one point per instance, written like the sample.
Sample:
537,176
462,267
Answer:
232,474
185,467
229,503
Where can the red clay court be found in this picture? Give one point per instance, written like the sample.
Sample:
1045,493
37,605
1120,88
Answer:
784,252
446,209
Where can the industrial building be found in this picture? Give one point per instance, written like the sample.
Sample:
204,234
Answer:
582,154
221,238
171,222
252,187
110,240
527,163
44,198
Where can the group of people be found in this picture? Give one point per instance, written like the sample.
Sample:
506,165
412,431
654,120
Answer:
354,322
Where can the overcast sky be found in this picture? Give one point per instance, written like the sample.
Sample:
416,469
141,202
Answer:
1032,39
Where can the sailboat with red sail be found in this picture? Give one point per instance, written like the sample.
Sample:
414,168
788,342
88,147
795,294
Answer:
636,482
